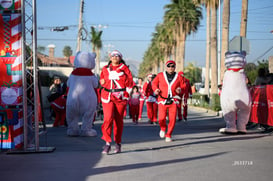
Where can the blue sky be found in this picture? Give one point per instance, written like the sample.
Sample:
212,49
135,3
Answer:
128,26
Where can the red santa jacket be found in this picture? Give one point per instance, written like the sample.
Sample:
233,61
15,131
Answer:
187,90
147,89
117,78
148,92
161,82
141,91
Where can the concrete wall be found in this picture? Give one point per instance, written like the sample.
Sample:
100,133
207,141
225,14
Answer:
61,71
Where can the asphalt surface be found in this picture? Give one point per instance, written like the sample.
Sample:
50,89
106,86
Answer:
198,153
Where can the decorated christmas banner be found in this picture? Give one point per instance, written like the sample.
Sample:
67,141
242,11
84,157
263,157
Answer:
11,117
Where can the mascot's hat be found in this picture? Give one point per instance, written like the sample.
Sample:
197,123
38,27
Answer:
170,62
116,52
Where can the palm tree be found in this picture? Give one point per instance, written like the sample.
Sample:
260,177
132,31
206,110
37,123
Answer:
193,73
165,42
67,51
214,72
96,46
184,16
243,26
225,34
211,50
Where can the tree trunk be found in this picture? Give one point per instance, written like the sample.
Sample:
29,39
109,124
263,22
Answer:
181,51
98,62
207,78
178,53
214,72
225,35
243,27
183,43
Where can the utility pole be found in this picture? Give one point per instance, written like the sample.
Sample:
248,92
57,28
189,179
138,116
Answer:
79,38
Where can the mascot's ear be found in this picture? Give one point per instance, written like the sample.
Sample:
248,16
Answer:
243,53
76,59
227,53
93,55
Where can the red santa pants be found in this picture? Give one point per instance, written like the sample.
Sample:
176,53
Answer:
152,108
185,109
179,110
60,116
140,109
113,115
162,113
134,112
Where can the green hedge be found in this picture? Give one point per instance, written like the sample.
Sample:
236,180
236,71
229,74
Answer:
203,100
215,102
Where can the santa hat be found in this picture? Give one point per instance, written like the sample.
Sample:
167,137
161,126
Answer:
170,62
116,52
150,75
181,73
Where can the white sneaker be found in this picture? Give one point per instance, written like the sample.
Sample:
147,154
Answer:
162,134
228,130
168,139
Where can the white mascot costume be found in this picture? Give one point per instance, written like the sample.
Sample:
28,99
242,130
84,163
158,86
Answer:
82,99
235,97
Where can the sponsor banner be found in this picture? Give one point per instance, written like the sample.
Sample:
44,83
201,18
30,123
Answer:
7,5
262,105
11,133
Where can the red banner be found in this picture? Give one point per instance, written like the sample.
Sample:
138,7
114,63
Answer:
11,117
262,105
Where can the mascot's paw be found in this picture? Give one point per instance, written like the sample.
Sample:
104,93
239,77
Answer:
90,132
71,132
228,131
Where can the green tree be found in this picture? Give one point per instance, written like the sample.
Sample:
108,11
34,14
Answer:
96,45
193,73
251,69
41,48
67,51
184,17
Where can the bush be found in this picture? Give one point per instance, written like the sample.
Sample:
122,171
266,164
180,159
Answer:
201,100
215,102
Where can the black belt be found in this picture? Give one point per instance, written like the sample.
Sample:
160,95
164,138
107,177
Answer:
115,90
164,97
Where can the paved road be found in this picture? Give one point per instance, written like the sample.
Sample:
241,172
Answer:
197,153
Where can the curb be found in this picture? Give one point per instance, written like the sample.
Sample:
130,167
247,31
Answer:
209,111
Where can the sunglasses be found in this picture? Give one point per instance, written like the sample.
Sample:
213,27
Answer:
115,55
171,66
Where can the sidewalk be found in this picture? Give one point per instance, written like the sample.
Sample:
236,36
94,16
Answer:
198,152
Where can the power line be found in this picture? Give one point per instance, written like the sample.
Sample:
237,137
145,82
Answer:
262,54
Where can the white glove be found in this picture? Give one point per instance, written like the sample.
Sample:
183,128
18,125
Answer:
113,75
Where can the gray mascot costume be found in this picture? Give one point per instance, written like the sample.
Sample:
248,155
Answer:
235,97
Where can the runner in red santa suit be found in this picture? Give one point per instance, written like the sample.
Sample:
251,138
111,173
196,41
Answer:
167,85
114,78
186,93
151,101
